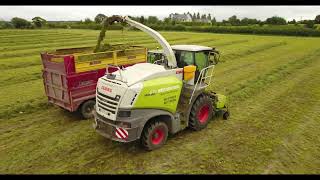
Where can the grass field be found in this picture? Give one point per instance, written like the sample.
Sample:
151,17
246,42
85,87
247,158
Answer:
273,83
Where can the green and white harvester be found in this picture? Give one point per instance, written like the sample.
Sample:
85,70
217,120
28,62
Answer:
149,101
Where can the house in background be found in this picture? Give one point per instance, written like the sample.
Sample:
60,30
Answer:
181,17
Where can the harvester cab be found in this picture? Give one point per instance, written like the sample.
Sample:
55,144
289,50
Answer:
148,101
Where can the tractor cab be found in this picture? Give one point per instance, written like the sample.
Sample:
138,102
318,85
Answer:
199,56
155,55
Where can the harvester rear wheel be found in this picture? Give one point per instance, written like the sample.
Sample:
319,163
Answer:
201,112
226,115
87,109
154,135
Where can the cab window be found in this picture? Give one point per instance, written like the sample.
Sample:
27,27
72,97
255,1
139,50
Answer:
201,60
184,58
151,58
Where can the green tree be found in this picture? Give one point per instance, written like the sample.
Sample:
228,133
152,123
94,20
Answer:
39,22
5,25
292,22
99,18
247,21
198,16
20,23
275,20
194,17
233,20
244,21
152,20
261,23
317,19
310,24
213,21
141,19
87,21
167,20
225,22
209,17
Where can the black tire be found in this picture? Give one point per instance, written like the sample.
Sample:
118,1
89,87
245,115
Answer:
226,115
87,109
201,112
148,139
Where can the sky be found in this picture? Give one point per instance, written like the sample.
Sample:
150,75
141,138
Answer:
76,13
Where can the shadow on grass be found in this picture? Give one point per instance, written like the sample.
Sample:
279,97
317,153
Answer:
135,148
70,116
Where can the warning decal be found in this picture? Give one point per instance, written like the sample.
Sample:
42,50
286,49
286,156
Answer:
121,133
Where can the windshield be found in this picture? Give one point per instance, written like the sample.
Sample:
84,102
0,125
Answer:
151,58
184,58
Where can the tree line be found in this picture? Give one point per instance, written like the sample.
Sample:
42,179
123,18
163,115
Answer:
38,22
274,25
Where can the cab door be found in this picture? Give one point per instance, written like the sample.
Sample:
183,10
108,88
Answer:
201,61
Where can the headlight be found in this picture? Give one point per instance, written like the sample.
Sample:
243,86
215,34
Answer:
117,98
124,113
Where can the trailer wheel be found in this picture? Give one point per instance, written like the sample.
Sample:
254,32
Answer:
154,135
87,109
201,112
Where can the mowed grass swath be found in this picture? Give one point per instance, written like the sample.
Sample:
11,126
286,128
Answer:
273,83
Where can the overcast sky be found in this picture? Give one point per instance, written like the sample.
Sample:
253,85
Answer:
74,13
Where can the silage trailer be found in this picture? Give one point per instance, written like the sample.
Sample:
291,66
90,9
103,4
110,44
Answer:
70,75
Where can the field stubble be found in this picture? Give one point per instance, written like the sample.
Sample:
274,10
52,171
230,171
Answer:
272,83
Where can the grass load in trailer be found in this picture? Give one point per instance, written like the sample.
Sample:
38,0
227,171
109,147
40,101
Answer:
70,75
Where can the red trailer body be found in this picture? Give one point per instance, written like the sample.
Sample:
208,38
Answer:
64,86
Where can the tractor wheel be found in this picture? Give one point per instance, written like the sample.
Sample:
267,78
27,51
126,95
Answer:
226,115
87,109
201,112
154,135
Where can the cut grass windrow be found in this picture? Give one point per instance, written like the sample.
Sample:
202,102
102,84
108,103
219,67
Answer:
50,47
261,123
250,87
249,67
253,50
6,64
25,74
272,82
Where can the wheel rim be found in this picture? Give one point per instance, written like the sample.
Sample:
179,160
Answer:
157,136
89,109
203,114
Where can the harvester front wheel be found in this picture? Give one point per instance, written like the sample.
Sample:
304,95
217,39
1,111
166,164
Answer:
201,112
87,109
154,135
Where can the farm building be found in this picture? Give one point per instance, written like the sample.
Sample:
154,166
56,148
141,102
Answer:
181,17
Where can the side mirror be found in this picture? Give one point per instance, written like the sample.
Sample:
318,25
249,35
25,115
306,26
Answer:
212,61
214,57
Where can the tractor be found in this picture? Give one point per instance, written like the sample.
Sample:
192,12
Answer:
149,101
155,56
